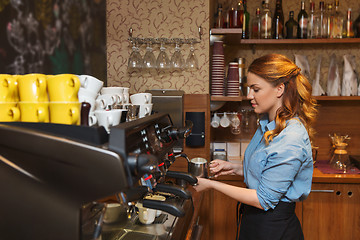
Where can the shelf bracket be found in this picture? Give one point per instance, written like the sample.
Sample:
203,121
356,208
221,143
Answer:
253,48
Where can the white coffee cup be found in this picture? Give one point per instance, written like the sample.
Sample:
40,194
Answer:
225,121
104,100
141,98
108,119
90,83
146,215
215,121
156,197
85,95
117,91
145,110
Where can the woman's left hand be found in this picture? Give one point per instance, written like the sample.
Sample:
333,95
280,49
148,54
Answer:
202,184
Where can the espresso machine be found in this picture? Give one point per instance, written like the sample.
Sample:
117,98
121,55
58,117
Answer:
53,176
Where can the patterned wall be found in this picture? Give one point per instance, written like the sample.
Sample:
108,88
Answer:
180,18
157,18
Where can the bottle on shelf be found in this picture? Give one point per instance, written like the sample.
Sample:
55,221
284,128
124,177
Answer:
278,21
291,26
256,25
337,22
219,20
266,21
327,24
246,22
302,22
356,27
312,20
319,24
236,15
348,29
231,14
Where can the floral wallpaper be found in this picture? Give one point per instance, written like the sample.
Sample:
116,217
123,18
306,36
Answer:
157,19
181,18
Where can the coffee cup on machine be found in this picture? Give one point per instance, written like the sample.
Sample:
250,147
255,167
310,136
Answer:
141,98
146,215
9,112
63,88
32,88
8,88
90,83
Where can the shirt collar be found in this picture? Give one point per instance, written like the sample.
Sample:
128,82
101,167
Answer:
266,125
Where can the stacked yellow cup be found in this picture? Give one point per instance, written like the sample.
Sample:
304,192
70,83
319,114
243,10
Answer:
9,111
34,102
63,94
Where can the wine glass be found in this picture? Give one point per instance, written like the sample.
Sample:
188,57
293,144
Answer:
149,57
162,61
135,59
177,60
191,61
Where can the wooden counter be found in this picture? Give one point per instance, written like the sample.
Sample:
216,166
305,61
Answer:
318,177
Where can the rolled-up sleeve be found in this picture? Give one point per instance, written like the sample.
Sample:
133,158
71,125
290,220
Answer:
285,156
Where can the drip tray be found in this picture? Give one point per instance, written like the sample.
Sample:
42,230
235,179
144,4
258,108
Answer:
137,236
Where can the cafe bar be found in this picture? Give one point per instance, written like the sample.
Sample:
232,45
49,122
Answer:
174,120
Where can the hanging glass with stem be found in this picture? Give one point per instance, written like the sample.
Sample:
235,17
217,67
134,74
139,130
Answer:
162,61
135,59
149,57
177,60
191,61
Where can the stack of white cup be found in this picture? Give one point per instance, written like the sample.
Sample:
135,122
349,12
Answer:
144,100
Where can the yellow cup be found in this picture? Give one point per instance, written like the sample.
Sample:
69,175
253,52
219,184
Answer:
9,112
63,88
65,112
32,88
34,112
7,88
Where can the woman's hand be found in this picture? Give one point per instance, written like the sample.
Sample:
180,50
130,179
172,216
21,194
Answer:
221,167
202,184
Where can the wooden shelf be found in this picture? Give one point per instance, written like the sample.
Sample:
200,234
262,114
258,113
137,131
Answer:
227,99
319,98
332,98
233,36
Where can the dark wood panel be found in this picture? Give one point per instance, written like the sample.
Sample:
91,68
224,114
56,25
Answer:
342,118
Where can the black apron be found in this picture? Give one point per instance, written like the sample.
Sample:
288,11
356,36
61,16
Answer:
279,223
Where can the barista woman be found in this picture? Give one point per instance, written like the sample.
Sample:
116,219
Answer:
278,161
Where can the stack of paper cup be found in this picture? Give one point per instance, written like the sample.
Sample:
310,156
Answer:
218,70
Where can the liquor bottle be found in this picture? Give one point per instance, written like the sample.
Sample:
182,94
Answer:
328,16
356,27
237,15
348,30
256,25
278,21
312,21
320,28
337,22
303,22
231,14
246,22
266,21
291,26
219,21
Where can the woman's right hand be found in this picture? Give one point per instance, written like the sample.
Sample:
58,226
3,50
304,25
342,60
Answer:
221,167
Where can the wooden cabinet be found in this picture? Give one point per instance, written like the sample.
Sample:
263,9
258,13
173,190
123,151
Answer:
332,211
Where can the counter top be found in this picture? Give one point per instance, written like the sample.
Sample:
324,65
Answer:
318,177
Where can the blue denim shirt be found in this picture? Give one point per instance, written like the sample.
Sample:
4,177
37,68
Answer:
282,170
